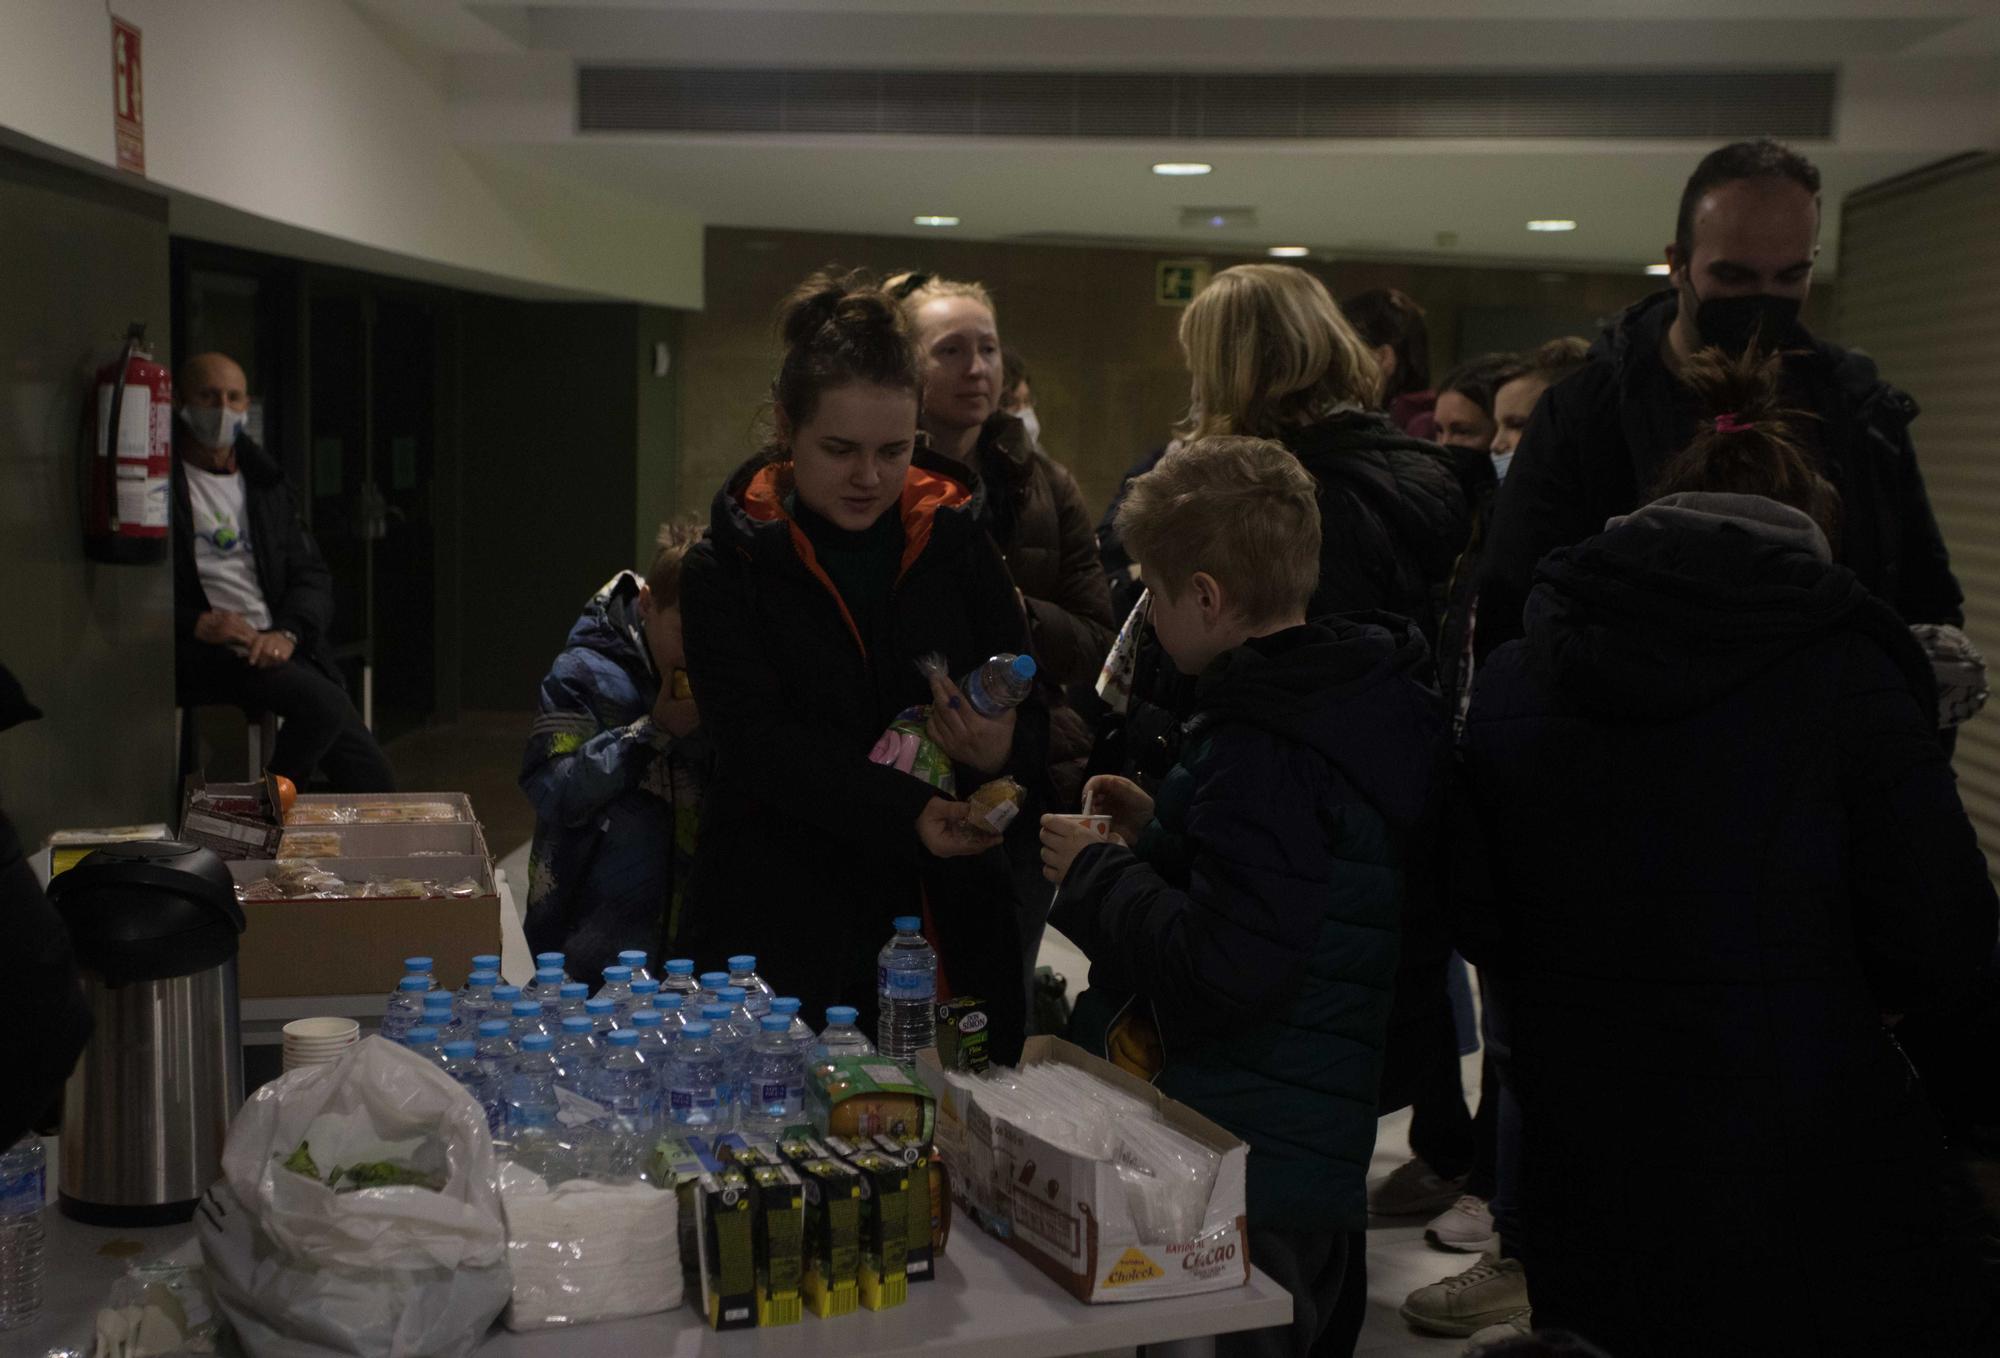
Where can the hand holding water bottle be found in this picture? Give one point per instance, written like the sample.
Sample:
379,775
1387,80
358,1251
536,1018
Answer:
967,735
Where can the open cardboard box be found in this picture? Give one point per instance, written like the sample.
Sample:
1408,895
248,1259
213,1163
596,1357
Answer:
1068,1215
356,945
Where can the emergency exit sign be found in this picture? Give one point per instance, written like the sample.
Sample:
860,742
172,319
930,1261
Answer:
128,103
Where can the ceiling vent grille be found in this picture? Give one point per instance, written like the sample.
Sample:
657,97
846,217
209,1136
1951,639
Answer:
1661,105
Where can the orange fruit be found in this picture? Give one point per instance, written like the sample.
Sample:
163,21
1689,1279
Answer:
288,793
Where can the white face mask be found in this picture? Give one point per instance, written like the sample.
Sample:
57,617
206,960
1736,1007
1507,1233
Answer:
214,426
1500,463
1026,415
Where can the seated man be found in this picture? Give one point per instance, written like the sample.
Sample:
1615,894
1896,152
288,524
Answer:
252,598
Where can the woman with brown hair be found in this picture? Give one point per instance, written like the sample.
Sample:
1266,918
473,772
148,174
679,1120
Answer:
835,559
1719,857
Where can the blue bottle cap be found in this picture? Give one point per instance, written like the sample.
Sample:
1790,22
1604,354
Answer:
416,985
486,961
734,994
633,958
595,1005
645,985
699,1028
575,990
842,1015
645,1018
680,966
423,1032
526,1008
743,961
462,1051
577,1023
549,976
537,1042
909,924
624,1037
1023,667
494,1027
506,994
668,1000
484,976
438,999
714,980
786,1005
775,1023
416,964
715,1011
549,959
617,974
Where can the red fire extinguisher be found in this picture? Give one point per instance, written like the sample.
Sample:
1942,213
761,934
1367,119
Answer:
130,458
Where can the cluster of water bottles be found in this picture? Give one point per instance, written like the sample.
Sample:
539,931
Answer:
582,1084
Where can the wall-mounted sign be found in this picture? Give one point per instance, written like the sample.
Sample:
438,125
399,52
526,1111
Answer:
1176,281
128,99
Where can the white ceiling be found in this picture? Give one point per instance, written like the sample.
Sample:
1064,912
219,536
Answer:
1920,80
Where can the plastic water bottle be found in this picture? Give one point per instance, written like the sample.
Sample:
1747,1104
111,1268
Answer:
712,983
645,990
617,988
440,1013
475,1002
730,1044
603,1016
673,1014
635,958
480,979
757,995
1004,681
528,1020
531,1087
626,1087
803,1036
494,1056
545,989
571,998
774,1080
679,977
575,1053
486,961
651,1027
406,1007
423,1040
694,1080
842,1037
547,960
420,966
23,1186
504,997
906,987
461,1062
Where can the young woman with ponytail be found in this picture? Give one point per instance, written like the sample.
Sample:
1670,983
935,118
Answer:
836,558
1723,858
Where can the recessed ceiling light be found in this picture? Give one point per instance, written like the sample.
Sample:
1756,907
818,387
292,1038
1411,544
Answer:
1182,167
935,221
1289,251
1659,270
1552,224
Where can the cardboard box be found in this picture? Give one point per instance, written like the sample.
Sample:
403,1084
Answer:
924,1224
885,1226
727,1249
236,820
354,945
64,849
778,1231
1068,1215
832,1190
862,1096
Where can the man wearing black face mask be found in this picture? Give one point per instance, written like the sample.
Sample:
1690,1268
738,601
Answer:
1742,262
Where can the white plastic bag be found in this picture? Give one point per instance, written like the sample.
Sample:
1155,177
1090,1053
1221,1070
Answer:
588,1251
402,1272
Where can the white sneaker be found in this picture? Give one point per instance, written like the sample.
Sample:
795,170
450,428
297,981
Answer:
1465,1227
1513,1327
1411,1189
1493,1291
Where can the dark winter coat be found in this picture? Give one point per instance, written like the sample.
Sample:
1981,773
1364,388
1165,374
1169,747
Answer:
1720,841
808,850
617,799
1257,921
298,587
1600,439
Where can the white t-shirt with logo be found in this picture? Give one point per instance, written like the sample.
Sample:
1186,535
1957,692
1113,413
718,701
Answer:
224,557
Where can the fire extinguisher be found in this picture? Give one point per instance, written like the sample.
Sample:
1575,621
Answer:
130,458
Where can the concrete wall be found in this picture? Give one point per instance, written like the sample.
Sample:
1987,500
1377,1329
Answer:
80,259
274,122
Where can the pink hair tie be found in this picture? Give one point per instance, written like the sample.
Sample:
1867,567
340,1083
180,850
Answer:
1729,424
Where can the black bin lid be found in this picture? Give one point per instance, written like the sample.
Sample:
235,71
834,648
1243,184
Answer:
149,910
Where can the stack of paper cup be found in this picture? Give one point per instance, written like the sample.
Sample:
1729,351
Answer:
317,1041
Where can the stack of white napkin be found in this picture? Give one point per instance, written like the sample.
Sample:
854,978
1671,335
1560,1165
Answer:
587,1251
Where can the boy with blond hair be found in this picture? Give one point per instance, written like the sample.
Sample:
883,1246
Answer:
1242,930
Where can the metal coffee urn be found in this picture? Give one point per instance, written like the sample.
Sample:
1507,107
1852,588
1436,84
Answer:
155,927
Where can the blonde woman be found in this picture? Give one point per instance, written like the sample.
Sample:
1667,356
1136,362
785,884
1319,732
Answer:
1271,356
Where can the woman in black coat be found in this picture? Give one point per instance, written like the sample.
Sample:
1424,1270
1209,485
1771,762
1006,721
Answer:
833,562
1724,855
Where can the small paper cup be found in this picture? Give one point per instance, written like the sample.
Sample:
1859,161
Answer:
315,1032
1097,825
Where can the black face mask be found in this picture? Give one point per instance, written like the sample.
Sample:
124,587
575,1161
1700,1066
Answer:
1732,324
